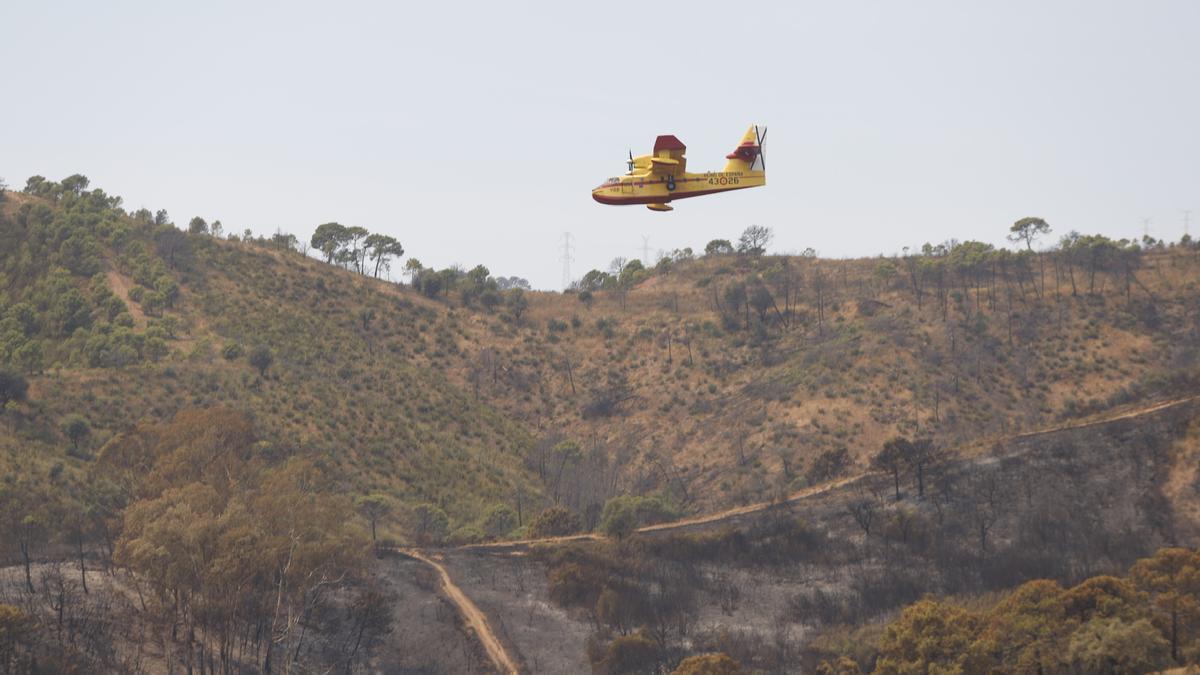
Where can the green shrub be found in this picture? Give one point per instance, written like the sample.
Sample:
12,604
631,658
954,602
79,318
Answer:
466,535
13,386
635,653
231,351
556,521
428,524
499,521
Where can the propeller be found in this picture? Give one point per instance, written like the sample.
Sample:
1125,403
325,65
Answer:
762,155
630,162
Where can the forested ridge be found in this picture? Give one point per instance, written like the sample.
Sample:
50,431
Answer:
175,397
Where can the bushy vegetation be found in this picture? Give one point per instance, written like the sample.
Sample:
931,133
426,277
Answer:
233,550
1144,622
118,316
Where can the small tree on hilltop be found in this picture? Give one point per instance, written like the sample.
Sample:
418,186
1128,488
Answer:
75,183
381,248
754,240
1028,230
329,238
719,247
357,254
517,303
412,267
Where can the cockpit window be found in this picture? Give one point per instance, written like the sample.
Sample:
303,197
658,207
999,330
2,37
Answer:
612,181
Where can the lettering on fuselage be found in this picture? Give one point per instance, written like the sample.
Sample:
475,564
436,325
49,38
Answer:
687,182
724,178
712,178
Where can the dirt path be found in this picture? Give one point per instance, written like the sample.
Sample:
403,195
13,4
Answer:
827,487
474,618
1114,416
120,286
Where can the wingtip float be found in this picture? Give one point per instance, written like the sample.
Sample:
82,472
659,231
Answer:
657,179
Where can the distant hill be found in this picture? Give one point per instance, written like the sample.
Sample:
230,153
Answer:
709,379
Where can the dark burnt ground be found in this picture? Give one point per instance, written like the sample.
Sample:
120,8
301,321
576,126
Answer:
427,637
1064,504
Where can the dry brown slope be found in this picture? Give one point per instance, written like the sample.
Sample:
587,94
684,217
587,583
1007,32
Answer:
735,416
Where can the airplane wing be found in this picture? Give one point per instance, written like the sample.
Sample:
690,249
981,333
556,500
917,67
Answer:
668,156
663,165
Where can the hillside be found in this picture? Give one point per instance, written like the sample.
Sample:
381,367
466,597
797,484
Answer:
226,421
783,586
751,375
366,393
708,380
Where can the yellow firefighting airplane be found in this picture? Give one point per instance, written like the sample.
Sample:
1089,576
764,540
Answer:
657,179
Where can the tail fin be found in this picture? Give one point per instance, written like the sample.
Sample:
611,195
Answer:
747,156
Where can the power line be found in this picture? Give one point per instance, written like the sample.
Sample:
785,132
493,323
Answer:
568,257
1187,220
1145,227
645,250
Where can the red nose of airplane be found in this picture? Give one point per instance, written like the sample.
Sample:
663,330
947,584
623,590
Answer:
603,199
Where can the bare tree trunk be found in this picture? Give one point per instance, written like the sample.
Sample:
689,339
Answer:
570,376
25,559
82,569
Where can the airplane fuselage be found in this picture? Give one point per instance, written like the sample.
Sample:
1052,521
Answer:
658,179
648,188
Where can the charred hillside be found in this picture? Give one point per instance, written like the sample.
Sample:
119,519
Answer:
790,585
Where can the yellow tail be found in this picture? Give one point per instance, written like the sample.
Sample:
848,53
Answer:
747,156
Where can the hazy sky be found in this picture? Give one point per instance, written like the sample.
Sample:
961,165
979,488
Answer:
474,132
